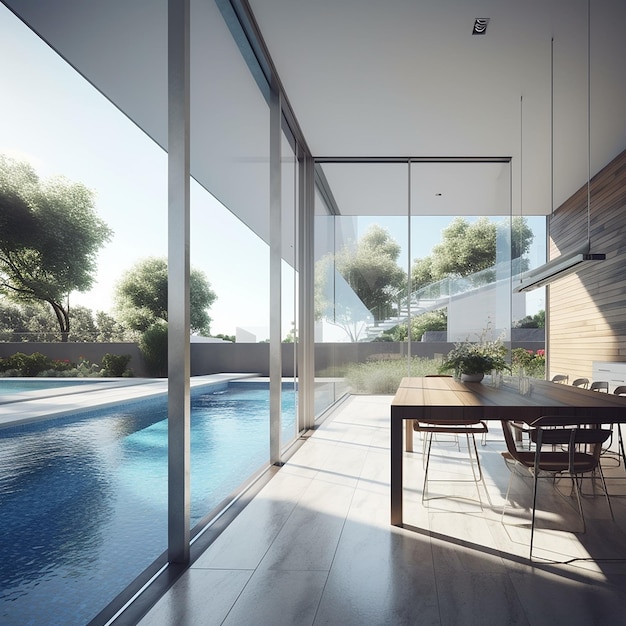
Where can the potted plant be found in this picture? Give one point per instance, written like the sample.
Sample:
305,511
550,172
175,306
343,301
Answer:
470,361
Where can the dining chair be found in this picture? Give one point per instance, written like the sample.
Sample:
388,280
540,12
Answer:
560,378
564,446
600,385
581,382
469,428
620,391
456,438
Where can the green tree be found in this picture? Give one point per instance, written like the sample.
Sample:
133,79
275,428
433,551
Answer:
538,320
27,321
231,338
109,329
12,323
141,296
468,248
292,335
34,321
83,324
49,238
431,320
371,269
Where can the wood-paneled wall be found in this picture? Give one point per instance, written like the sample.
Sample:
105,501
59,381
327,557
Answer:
586,312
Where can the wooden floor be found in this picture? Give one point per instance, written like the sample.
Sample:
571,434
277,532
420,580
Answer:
315,545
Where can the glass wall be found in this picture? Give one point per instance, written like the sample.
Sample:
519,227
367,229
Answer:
379,271
74,509
115,480
361,255
410,257
461,259
230,237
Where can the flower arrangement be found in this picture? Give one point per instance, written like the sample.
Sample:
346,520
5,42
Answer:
529,363
476,357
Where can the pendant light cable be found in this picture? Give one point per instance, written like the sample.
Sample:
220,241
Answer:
589,122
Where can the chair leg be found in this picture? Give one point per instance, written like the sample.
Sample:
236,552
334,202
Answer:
621,444
477,472
606,493
577,489
481,476
427,444
532,523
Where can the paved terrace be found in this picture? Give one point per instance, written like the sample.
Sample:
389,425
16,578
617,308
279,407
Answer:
314,546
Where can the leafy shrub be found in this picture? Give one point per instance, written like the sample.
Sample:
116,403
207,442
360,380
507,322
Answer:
115,364
27,364
87,369
55,373
532,363
37,364
153,347
431,320
384,376
62,365
11,373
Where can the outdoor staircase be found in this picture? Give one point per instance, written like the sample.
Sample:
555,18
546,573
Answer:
431,298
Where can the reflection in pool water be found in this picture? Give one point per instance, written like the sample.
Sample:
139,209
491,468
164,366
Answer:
83,500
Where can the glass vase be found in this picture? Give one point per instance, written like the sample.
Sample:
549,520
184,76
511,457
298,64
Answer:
524,382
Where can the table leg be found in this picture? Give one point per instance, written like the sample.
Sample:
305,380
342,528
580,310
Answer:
396,469
408,434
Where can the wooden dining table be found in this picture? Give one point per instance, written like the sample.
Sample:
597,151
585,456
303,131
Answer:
448,398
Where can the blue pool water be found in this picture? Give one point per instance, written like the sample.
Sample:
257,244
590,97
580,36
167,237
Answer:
15,385
83,501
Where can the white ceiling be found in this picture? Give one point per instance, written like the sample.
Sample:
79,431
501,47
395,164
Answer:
400,78
407,78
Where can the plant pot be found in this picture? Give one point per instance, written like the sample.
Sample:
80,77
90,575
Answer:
472,378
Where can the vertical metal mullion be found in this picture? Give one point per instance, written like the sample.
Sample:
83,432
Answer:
409,288
178,282
275,219
306,294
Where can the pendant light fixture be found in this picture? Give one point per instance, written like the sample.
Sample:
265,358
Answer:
570,262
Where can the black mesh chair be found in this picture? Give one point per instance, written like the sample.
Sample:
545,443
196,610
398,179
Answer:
600,385
620,391
560,378
563,446
581,382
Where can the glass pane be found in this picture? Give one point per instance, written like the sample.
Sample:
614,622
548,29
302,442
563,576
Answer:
361,260
461,248
230,244
289,312
85,511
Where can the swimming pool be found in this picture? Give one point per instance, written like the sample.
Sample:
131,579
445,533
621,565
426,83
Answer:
19,385
83,500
